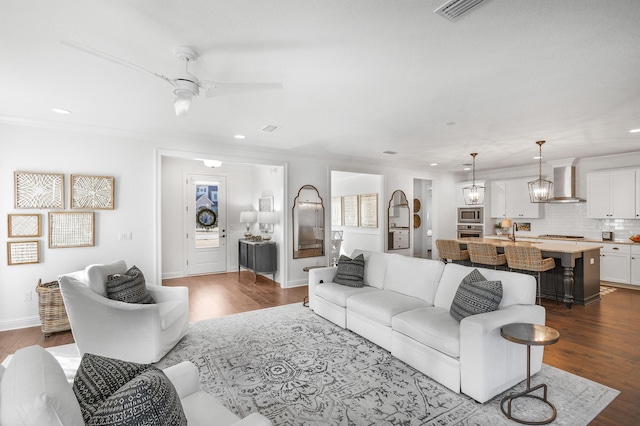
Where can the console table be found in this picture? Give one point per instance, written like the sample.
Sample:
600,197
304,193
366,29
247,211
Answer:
258,256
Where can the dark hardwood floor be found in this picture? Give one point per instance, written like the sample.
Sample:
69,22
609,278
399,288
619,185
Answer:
600,342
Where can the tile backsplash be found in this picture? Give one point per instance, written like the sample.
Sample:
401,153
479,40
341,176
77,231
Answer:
571,219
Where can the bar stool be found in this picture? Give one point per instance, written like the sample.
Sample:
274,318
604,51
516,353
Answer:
529,259
486,254
450,249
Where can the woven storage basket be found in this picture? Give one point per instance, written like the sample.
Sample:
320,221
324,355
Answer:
53,314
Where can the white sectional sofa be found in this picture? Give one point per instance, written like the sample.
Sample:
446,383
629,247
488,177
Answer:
404,308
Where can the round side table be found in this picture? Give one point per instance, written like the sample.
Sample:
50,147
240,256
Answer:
530,335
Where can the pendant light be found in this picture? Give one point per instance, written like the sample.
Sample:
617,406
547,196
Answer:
474,194
540,189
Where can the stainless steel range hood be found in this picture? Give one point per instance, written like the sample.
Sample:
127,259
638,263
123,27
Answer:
564,182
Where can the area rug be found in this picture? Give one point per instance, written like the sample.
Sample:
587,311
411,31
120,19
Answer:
297,368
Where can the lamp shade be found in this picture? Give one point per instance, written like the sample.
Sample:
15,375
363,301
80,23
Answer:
506,223
268,217
181,105
248,217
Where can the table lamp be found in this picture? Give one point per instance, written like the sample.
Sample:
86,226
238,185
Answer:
248,217
267,218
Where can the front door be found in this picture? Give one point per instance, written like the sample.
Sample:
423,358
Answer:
205,223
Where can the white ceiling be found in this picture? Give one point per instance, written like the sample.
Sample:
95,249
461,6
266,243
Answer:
360,76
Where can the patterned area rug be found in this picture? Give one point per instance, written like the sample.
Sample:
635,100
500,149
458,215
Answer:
297,368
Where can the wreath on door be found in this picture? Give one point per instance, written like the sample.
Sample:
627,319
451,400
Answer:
207,218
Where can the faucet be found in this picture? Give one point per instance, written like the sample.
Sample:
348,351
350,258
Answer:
513,232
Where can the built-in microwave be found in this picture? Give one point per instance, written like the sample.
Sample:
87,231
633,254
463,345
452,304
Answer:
470,215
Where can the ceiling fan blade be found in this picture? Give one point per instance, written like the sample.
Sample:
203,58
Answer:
219,88
111,58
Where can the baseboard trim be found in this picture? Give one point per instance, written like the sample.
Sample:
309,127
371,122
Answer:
24,322
170,275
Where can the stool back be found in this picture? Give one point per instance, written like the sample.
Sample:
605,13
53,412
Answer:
485,254
527,259
450,249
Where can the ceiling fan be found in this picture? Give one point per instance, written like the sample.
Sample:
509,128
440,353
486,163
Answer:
186,86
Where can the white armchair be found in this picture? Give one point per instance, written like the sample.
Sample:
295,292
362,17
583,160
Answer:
133,332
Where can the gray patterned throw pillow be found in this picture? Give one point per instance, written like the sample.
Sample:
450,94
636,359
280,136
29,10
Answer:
129,287
475,295
111,391
350,271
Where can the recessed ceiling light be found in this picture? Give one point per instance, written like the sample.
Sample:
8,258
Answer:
634,131
467,169
537,157
390,152
61,111
433,164
239,136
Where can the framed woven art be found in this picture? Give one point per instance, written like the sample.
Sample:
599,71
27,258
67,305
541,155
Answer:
38,190
71,229
24,225
369,210
92,192
350,210
23,252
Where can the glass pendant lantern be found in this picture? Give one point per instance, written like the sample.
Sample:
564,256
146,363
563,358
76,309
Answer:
540,189
473,194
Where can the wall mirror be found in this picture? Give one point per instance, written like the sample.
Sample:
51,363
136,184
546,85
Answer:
308,223
398,221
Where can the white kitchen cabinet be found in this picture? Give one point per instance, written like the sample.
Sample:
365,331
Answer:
460,197
517,202
635,265
498,199
615,263
611,194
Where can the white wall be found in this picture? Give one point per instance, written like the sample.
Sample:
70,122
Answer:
36,150
136,163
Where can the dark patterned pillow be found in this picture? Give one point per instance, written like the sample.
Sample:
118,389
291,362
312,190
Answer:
99,377
148,399
475,295
128,287
350,271
105,386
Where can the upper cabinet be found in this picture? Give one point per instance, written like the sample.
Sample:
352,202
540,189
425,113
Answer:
611,194
510,198
498,198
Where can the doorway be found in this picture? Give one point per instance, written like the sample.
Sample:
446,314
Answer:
423,218
205,224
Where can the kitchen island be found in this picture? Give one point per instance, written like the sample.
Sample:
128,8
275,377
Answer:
577,267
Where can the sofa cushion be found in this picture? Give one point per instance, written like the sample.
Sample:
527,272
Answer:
375,266
148,399
413,277
433,327
35,391
517,288
380,306
338,294
475,296
350,271
96,275
128,287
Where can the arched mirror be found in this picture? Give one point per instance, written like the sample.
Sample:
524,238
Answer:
308,223
398,220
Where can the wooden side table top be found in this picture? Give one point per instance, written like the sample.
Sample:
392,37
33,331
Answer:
308,268
530,334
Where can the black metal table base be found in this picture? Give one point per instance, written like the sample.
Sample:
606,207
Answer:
527,394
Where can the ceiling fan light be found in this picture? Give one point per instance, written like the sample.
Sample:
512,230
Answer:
181,105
